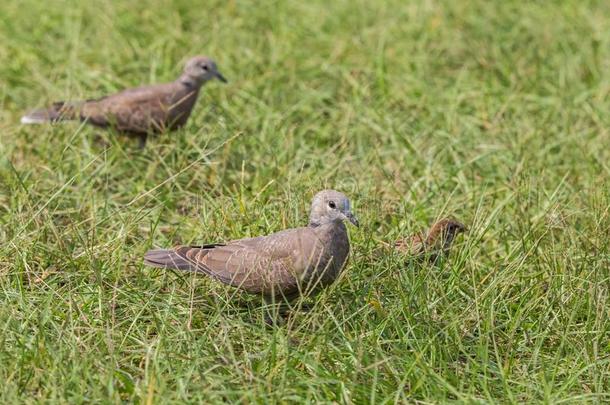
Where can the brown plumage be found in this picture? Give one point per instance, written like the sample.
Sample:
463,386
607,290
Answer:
436,241
140,111
282,265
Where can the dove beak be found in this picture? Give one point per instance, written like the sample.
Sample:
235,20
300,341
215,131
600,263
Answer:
352,218
221,77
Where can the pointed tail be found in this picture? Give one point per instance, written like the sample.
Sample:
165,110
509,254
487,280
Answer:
59,111
168,259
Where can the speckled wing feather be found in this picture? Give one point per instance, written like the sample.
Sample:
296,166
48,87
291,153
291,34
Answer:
437,241
413,245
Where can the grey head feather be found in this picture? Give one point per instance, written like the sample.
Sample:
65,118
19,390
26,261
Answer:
200,69
330,206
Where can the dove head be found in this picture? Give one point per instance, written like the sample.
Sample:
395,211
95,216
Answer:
330,206
199,70
446,229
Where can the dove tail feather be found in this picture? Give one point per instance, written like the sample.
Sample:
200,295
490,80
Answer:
59,111
168,259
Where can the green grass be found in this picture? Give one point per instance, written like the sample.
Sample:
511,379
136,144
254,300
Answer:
495,112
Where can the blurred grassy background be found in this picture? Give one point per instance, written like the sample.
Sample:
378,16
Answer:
495,112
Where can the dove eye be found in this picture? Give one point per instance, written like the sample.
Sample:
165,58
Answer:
204,67
332,205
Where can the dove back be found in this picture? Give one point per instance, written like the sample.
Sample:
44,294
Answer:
144,110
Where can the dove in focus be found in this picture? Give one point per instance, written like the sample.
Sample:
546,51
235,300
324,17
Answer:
280,266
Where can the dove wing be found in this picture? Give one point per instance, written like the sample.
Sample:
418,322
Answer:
140,110
270,265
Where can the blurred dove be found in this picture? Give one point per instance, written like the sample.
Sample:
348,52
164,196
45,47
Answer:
280,266
140,111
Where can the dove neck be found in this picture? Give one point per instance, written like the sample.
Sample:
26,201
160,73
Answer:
325,223
190,81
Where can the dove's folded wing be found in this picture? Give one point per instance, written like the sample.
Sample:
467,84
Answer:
138,110
267,265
